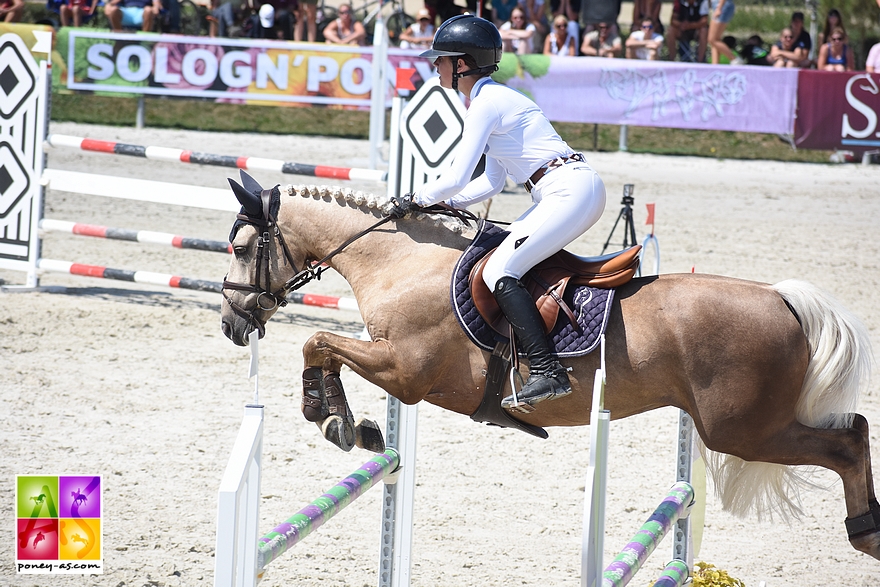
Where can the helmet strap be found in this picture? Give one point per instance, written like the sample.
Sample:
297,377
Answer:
455,74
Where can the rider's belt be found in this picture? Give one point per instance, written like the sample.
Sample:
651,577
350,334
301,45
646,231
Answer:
550,166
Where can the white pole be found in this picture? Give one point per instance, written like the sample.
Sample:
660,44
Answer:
593,540
377,91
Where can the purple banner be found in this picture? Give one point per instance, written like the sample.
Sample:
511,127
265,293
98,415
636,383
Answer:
662,94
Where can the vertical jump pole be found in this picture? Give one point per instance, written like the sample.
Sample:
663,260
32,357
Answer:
43,116
377,90
238,512
395,542
681,545
593,541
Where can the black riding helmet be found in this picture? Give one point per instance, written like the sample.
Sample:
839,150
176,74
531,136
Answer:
467,34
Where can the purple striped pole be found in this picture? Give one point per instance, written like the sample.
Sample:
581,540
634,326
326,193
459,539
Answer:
140,236
629,561
311,517
674,575
185,156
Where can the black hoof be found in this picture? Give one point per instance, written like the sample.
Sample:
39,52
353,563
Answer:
340,432
368,436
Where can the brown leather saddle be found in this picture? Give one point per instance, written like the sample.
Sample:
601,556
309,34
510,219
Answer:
548,280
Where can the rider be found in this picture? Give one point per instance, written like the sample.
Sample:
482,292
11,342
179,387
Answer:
511,130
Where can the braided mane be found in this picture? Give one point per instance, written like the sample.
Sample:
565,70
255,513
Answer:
367,202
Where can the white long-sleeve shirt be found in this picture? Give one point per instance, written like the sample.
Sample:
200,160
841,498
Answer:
515,136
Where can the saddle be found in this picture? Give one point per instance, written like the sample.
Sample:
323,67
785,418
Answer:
548,280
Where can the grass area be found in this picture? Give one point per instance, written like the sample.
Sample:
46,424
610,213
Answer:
209,116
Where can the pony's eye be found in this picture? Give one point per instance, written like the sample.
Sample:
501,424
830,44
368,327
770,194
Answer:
239,251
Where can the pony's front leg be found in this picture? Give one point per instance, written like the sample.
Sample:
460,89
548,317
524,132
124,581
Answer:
324,400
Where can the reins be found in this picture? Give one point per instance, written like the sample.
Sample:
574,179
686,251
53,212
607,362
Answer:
269,300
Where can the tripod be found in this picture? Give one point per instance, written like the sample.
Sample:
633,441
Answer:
629,228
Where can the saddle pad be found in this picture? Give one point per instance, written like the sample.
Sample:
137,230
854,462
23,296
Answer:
591,306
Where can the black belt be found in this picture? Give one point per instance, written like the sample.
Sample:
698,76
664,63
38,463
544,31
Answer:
550,166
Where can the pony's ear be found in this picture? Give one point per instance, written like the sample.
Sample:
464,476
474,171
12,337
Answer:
249,183
249,201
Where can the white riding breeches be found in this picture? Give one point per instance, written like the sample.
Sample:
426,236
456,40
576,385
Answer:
570,199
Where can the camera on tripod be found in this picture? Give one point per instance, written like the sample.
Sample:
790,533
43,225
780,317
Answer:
628,199
626,214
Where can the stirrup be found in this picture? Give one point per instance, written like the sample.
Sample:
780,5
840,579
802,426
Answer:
538,388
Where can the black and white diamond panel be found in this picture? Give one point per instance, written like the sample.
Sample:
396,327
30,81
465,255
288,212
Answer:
14,180
17,81
432,127
435,126
21,111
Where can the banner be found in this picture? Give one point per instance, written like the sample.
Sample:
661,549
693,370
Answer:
242,71
650,93
838,110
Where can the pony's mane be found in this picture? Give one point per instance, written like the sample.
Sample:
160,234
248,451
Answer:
366,203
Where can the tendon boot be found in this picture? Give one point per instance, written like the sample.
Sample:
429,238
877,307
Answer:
547,377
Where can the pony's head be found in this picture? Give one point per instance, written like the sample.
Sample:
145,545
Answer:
263,266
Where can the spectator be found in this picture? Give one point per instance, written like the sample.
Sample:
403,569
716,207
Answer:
836,55
132,14
306,15
224,14
595,11
832,20
872,64
11,10
646,9
536,15
801,38
75,10
345,30
570,10
501,11
690,20
273,21
420,34
560,41
442,9
645,43
753,51
784,52
722,14
602,42
516,35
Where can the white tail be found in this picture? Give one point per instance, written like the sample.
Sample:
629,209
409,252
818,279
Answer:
839,368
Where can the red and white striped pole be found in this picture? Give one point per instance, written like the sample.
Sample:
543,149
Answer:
195,157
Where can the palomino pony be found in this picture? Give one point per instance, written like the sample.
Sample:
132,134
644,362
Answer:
770,374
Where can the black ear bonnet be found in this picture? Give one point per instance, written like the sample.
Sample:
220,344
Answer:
250,195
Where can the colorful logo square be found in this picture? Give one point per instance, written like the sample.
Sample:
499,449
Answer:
58,526
37,539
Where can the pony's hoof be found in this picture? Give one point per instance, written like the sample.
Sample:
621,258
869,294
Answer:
340,432
867,543
368,436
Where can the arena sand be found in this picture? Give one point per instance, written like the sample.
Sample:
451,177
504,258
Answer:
138,384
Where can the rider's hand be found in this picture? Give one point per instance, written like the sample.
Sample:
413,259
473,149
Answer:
402,205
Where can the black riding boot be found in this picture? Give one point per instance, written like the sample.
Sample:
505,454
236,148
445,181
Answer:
547,378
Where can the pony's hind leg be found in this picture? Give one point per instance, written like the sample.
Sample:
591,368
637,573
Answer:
842,450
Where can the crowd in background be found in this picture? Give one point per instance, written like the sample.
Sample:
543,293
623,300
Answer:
571,28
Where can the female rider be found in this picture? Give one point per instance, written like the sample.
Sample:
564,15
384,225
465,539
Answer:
519,141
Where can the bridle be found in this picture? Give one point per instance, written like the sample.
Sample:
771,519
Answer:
266,300
270,300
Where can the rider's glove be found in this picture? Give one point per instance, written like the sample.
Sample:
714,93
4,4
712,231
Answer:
401,206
